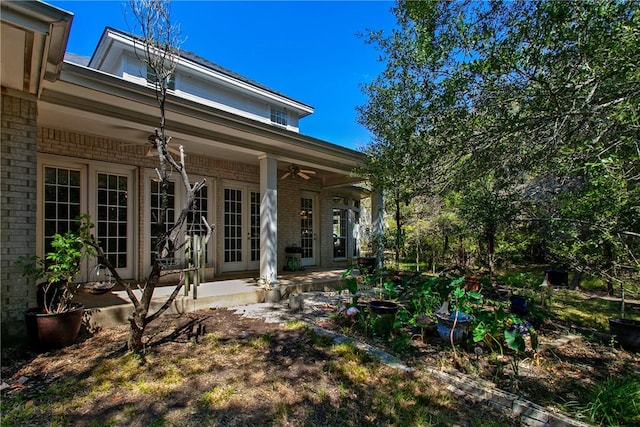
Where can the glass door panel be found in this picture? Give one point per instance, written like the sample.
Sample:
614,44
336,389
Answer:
307,232
241,235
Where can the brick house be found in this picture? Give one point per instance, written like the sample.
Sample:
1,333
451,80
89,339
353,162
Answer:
74,140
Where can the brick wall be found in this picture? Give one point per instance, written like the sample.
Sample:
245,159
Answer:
19,165
18,207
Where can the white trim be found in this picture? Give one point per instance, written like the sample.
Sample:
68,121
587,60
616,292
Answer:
132,208
57,162
245,264
183,64
315,225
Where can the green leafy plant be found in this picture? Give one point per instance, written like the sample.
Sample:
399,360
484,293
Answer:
615,401
350,283
461,299
61,266
425,296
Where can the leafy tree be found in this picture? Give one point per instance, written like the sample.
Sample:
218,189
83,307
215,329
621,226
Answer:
487,207
541,95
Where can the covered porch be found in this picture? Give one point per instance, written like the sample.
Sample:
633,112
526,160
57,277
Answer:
114,307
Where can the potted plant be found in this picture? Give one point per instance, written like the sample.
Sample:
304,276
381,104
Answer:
56,321
454,325
383,310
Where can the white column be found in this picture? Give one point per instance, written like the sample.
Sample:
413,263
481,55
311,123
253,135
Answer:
269,218
377,223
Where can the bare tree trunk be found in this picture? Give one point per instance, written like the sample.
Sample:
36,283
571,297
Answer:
575,280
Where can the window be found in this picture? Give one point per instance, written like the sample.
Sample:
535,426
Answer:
111,221
156,210
61,202
255,226
194,217
346,217
104,191
152,79
278,116
232,225
340,233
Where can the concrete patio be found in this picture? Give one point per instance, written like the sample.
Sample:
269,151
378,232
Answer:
114,307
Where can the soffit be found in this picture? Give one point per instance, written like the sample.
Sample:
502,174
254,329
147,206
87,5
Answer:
33,40
100,104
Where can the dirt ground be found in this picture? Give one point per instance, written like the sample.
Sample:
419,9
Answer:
555,377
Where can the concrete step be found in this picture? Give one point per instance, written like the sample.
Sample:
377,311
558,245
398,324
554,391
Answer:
114,307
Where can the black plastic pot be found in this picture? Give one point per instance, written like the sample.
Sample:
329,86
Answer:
53,330
627,333
383,316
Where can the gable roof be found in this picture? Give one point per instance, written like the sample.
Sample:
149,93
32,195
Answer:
305,109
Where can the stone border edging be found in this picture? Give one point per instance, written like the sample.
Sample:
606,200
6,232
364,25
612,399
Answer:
467,387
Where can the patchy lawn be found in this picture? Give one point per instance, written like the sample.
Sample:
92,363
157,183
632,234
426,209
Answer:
242,371
238,372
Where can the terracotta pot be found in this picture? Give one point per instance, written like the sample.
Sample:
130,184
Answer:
48,331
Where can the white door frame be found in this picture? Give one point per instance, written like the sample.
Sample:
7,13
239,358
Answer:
315,217
245,236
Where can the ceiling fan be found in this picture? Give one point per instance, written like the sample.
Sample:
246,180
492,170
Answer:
295,170
172,147
152,151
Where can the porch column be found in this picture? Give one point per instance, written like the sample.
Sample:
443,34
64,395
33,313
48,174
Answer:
269,218
377,224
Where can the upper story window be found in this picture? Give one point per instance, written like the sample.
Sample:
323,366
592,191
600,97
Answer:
278,116
151,78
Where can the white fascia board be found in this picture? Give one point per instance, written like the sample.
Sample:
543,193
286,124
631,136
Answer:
228,81
44,20
34,16
105,46
287,141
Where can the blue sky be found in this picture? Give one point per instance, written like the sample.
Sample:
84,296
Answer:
307,50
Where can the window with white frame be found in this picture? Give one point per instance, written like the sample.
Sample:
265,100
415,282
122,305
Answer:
200,209
102,190
62,193
112,216
176,198
160,225
153,79
346,216
278,116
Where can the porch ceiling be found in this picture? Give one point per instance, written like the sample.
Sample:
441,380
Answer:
91,102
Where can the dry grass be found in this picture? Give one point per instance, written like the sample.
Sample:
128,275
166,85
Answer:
242,372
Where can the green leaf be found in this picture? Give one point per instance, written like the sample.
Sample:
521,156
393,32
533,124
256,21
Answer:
514,340
479,332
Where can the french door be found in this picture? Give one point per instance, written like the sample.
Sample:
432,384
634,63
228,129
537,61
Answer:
241,228
308,229
104,191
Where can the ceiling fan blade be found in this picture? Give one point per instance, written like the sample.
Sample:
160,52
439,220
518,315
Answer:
154,152
308,171
285,175
303,175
